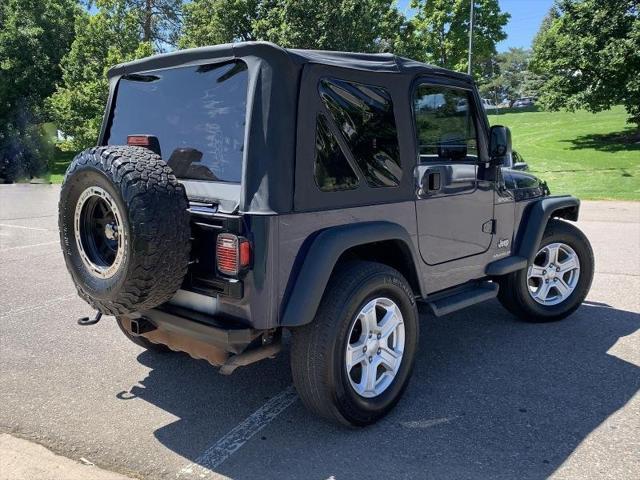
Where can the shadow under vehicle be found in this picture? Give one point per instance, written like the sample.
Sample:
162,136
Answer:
490,397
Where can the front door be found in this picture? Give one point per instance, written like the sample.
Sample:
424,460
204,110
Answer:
454,204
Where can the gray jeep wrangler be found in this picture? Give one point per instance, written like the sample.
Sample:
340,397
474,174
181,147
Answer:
242,190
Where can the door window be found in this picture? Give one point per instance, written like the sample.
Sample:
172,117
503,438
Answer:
445,124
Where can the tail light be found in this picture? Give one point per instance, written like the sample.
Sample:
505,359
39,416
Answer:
233,254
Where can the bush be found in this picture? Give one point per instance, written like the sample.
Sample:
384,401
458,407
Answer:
25,149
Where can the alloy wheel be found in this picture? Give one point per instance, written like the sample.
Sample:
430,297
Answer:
554,274
375,348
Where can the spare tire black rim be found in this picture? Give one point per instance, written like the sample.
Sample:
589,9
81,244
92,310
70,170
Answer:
99,232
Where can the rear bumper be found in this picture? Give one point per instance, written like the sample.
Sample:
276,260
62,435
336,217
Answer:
184,330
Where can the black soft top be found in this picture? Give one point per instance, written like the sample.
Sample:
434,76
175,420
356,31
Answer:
275,74
371,62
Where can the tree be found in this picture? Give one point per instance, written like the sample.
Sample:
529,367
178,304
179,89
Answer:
356,25
112,35
211,22
34,35
442,31
350,25
589,54
509,76
159,21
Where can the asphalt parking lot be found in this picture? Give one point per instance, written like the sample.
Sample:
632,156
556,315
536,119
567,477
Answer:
490,397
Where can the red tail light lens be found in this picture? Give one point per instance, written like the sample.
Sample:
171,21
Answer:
233,254
245,254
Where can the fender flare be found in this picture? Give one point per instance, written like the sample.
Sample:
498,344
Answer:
321,258
539,214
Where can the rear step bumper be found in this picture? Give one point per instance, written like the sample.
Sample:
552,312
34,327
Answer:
463,298
219,345
233,340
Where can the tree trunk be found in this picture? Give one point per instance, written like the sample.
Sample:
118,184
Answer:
147,27
443,48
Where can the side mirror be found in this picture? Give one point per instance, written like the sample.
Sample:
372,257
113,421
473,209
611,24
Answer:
499,145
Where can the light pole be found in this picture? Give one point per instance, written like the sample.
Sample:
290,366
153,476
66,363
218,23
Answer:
470,36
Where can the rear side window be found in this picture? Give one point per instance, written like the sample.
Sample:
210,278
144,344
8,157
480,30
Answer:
444,123
200,110
364,115
332,170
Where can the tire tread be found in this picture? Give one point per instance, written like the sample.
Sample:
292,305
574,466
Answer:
156,205
513,297
311,352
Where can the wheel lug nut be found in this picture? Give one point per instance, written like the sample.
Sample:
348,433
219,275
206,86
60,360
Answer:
544,272
379,350
546,281
379,336
555,280
364,349
557,269
370,359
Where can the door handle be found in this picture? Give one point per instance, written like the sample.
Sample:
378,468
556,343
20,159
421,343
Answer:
431,182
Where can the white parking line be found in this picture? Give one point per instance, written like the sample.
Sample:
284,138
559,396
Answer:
239,435
29,246
20,226
428,423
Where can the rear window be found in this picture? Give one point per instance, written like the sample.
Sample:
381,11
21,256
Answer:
198,114
364,114
332,170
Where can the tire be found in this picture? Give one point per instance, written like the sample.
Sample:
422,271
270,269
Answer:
141,341
318,362
124,228
514,293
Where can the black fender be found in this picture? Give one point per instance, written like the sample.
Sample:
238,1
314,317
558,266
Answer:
540,212
321,258
532,229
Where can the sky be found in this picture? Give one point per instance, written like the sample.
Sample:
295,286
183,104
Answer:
526,17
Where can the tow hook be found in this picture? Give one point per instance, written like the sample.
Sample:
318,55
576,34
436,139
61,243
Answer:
84,321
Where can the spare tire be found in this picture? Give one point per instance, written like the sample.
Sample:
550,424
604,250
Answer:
124,228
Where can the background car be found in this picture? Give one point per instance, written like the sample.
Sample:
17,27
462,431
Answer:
488,104
523,102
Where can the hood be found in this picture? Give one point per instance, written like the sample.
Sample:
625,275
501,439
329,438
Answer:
524,185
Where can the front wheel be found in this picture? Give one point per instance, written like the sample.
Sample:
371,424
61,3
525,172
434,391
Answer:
555,284
352,363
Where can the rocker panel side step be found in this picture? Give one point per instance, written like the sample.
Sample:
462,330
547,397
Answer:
460,299
506,265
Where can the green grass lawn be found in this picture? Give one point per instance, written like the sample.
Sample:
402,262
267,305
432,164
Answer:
58,167
592,156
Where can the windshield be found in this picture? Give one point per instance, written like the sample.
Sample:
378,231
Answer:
197,113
